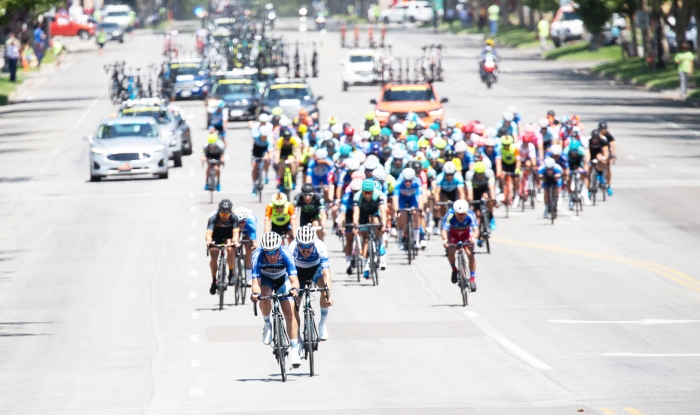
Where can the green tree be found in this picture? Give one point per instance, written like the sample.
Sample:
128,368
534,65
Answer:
595,13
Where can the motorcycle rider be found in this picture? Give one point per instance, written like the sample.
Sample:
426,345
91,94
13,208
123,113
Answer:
487,50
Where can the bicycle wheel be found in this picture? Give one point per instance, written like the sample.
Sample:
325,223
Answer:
409,241
593,188
357,256
240,280
462,278
372,260
222,283
280,346
603,187
309,340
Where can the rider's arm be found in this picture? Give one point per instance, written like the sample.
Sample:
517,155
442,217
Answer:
268,224
208,237
356,215
383,213
291,268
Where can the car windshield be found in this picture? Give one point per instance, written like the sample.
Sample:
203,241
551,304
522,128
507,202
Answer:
295,91
360,58
140,129
233,90
409,93
162,116
570,16
178,70
118,14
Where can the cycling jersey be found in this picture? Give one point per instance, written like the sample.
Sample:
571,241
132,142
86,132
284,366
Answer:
222,230
287,148
392,169
311,210
575,159
251,225
495,154
596,145
346,203
218,116
274,275
408,195
527,151
509,156
550,174
214,151
280,218
459,231
481,181
369,207
319,172
560,160
450,185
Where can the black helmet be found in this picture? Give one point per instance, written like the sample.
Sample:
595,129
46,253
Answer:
449,154
417,166
550,113
602,125
330,145
384,138
225,206
285,133
386,152
307,189
595,133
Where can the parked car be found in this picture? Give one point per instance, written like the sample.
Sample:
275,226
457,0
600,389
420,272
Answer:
413,11
185,131
291,96
114,31
64,25
691,35
566,26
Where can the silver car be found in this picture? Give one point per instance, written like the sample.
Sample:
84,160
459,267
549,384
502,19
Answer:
127,146
168,123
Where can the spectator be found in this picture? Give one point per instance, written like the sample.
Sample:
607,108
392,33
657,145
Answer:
462,14
57,48
39,40
494,13
625,43
12,56
543,32
482,17
684,60
470,15
449,16
101,39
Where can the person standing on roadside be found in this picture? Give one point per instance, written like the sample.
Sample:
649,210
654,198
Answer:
494,13
482,17
543,32
39,39
101,38
684,60
57,48
12,55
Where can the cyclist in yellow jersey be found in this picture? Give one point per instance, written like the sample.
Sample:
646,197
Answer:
278,217
288,148
509,162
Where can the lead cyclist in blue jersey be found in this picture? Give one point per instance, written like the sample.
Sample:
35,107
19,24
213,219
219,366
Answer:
407,196
274,271
449,186
319,172
311,259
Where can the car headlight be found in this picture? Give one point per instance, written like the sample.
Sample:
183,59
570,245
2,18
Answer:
168,134
380,113
96,150
158,149
173,143
436,112
199,83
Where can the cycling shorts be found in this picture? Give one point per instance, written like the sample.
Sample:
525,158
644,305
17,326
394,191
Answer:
450,195
549,182
408,203
509,168
221,236
462,235
259,151
279,286
309,274
479,192
282,230
307,219
321,180
365,217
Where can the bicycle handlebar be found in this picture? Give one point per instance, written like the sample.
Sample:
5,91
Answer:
269,297
474,202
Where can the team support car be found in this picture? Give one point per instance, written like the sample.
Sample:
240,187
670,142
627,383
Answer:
359,68
240,95
291,96
189,79
166,120
399,99
127,146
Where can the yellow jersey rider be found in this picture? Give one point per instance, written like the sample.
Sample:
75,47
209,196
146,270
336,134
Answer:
288,147
278,217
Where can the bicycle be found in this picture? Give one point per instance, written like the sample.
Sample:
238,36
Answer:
508,190
373,251
280,339
287,179
213,180
311,338
259,183
529,188
597,181
576,188
484,229
221,271
411,250
357,255
240,286
552,202
463,273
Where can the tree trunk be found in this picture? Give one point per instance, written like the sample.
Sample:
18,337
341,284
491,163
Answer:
635,40
682,22
521,12
648,33
531,22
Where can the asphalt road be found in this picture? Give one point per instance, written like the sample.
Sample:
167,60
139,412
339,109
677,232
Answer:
104,304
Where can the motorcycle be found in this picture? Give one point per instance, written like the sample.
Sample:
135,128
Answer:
489,70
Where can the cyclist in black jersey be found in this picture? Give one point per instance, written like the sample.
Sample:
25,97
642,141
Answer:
311,209
369,207
222,227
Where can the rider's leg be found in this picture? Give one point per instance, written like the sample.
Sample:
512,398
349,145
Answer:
231,260
213,259
254,172
417,218
451,257
401,225
248,267
292,325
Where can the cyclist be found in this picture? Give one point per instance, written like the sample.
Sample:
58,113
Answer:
345,219
449,187
481,183
407,195
550,175
261,150
369,206
214,150
457,227
311,260
530,136
247,229
577,162
603,129
320,171
222,227
487,49
218,117
274,271
397,162
506,126
545,134
279,216
311,209
598,150
288,152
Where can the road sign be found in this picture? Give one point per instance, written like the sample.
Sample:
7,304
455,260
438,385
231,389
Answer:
642,18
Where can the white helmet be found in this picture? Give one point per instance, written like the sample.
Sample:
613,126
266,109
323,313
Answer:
429,134
264,117
544,123
490,132
271,241
326,135
555,150
321,153
450,122
408,173
399,128
306,235
356,184
398,153
379,175
457,135
461,147
449,168
549,162
337,129
285,122
265,130
513,109
365,135
489,142
241,213
359,156
508,116
352,164
460,206
372,162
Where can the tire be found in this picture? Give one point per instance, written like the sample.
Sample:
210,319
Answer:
345,86
236,288
489,80
358,257
557,42
222,275
412,19
177,159
94,178
164,175
187,149
121,40
462,281
83,35
280,348
372,259
309,339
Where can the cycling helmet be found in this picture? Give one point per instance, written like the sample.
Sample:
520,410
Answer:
435,125
565,119
321,153
365,135
457,135
602,125
478,154
371,163
399,128
576,131
412,146
426,164
408,174
461,147
285,133
379,175
508,116
307,189
271,241
429,134
412,137
489,42
374,130
356,184
507,140
369,115
479,129
303,112
574,145
398,153
549,162
595,133
450,122
306,235
461,206
264,117
433,154
303,129
279,199
358,175
440,143
225,206
479,167
359,156
550,113
530,129
332,120
449,154
490,132
368,185
411,125
352,164
345,149
544,123
449,168
374,147
489,142
555,150
241,213
386,152
349,131
285,122
212,138
326,135
277,111
336,129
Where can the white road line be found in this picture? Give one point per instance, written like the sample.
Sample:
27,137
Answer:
87,111
651,354
503,341
194,338
193,272
195,316
198,391
193,294
195,363
643,322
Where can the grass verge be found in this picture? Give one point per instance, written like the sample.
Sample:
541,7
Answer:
637,71
579,52
7,87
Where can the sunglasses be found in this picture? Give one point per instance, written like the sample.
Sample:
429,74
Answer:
224,214
272,253
305,246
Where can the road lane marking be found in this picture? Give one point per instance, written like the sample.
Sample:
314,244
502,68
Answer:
195,363
193,272
632,411
650,354
198,391
670,273
87,111
607,411
194,338
644,322
195,316
503,341
193,294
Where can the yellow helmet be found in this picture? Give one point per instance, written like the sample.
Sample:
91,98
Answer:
489,42
479,167
303,129
279,199
332,120
212,138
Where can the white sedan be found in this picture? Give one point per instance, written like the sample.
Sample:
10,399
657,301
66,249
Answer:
414,11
